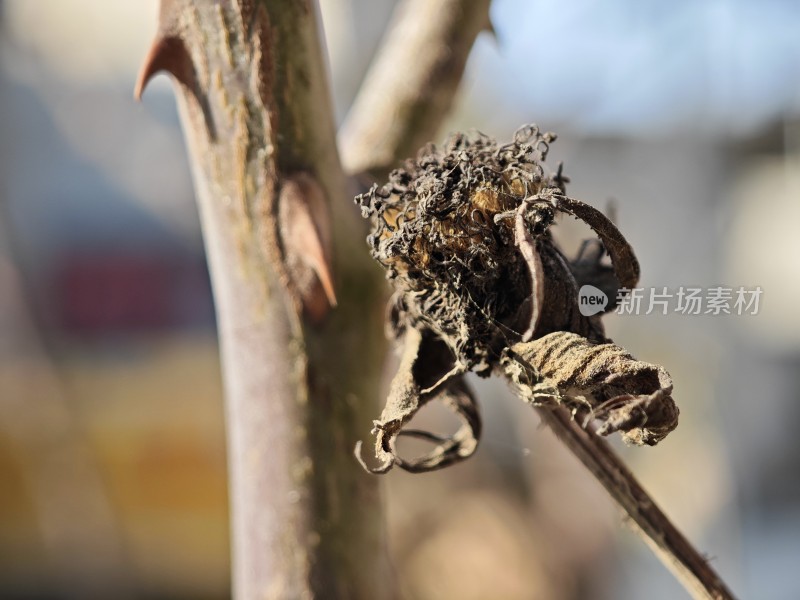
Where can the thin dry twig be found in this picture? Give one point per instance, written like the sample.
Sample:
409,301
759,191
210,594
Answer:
669,544
411,83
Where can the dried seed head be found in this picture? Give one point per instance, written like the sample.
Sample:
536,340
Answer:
464,235
444,231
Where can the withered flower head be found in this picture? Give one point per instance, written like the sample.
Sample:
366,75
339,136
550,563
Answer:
463,233
444,231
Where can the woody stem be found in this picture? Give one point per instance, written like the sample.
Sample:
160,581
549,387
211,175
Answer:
670,545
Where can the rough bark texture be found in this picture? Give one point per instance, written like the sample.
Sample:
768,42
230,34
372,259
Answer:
254,101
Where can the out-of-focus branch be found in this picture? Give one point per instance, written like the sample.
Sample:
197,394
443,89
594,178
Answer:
75,516
669,544
253,92
412,82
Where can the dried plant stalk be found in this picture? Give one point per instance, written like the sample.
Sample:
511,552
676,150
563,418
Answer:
570,380
428,42
463,234
480,284
670,546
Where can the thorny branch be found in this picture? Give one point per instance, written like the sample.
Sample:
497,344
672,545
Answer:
252,88
411,84
480,284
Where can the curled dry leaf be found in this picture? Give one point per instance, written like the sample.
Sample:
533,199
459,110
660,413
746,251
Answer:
426,372
464,235
595,381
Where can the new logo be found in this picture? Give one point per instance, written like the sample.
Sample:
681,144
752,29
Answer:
591,300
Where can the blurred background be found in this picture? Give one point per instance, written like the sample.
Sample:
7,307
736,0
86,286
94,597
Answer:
112,462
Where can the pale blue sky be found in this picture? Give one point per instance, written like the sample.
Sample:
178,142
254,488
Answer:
714,66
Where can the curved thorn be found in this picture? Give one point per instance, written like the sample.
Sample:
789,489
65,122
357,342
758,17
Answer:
168,53
305,236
